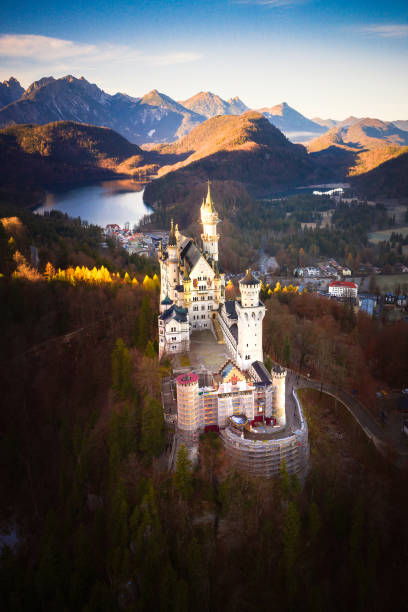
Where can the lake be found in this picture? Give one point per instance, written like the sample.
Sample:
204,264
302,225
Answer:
117,201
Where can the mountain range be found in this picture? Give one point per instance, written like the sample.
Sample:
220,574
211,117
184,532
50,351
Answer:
361,145
292,123
153,118
209,105
67,129
10,91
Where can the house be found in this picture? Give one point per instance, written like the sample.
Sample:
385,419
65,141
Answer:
343,289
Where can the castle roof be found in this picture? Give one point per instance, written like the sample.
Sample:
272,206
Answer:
230,309
175,312
208,203
166,301
261,371
172,236
190,253
249,279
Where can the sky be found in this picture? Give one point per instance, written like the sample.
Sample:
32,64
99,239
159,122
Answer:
324,58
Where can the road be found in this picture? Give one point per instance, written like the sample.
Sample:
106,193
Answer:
367,422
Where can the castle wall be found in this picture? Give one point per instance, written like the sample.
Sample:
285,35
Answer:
265,457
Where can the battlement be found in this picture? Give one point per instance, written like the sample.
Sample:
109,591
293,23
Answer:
278,372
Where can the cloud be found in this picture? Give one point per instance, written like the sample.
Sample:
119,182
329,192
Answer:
40,47
386,31
45,49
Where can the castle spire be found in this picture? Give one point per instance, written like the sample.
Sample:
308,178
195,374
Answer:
209,202
172,236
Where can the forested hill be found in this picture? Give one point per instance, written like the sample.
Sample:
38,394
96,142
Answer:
388,180
245,148
64,152
360,146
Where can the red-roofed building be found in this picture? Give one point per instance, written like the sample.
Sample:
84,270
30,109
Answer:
343,289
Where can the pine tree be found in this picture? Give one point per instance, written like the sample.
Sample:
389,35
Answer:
291,536
152,441
285,484
287,350
150,351
144,324
183,481
122,370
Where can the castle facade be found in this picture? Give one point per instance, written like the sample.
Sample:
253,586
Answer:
192,295
242,400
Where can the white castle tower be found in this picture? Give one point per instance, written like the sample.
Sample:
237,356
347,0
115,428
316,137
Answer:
172,267
188,407
209,220
251,312
279,382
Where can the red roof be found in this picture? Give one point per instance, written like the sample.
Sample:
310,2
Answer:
343,284
187,379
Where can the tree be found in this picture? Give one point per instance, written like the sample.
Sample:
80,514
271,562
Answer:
150,352
291,538
144,324
49,271
152,441
287,350
121,370
183,476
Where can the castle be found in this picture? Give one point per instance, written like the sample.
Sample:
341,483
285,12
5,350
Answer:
243,400
192,295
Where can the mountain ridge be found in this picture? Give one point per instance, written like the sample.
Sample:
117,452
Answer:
291,122
209,105
10,91
72,99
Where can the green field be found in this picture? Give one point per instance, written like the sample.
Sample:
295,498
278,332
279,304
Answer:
381,235
389,282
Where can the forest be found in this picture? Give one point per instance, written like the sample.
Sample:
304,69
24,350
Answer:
101,523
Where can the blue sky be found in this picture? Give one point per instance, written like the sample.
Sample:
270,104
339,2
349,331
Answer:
328,59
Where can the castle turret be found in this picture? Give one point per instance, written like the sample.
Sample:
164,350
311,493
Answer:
188,412
278,405
251,312
165,304
173,262
209,220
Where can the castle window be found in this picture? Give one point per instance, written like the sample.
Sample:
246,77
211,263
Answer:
203,307
195,307
203,316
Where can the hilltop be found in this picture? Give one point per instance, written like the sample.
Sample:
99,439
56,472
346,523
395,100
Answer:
389,179
292,123
209,105
361,145
10,91
246,149
64,152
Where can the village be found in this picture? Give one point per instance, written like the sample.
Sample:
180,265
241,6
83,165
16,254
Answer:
327,278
